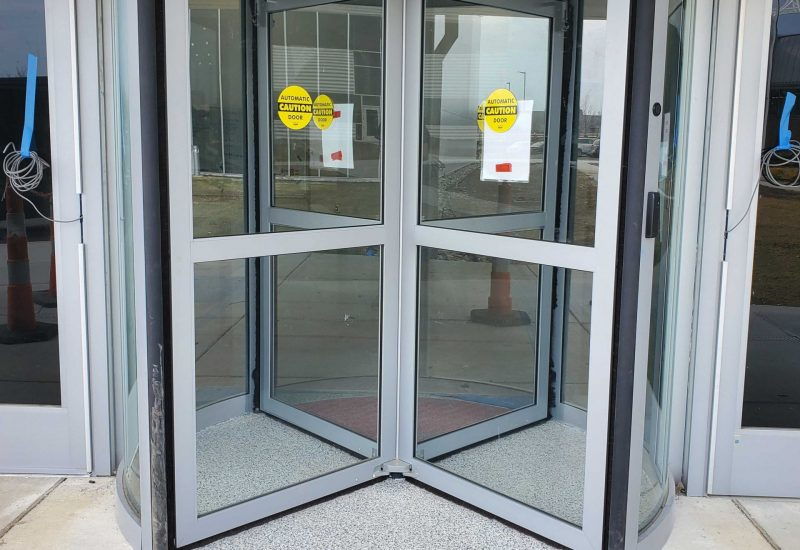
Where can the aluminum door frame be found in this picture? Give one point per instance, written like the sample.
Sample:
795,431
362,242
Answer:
600,260
544,220
309,220
46,439
187,251
734,448
646,268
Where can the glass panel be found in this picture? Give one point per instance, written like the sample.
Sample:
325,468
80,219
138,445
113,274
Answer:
218,107
325,366
491,144
221,358
327,95
655,475
122,278
29,355
478,358
575,354
583,171
332,299
772,376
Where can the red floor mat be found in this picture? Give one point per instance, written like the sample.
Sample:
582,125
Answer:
437,416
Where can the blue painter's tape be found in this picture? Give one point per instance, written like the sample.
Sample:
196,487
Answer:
30,106
784,133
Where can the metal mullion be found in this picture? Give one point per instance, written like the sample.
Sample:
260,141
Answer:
494,224
646,267
604,281
521,6
314,220
288,5
391,260
181,269
411,109
275,244
536,252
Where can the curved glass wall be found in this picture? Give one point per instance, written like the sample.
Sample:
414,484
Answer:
122,278
655,469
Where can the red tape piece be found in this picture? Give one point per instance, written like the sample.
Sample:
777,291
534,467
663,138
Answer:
337,114
336,156
503,167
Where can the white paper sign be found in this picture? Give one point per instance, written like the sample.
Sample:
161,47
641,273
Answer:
337,140
507,156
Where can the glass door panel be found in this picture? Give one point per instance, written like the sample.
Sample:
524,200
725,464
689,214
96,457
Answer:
477,365
328,60
281,265
326,344
442,251
508,275
471,51
320,338
323,331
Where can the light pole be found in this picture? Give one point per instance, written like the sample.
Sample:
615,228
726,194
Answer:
524,82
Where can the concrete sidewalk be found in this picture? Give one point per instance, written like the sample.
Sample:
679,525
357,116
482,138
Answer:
50,513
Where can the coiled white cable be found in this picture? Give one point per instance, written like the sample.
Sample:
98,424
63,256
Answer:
25,175
775,158
771,159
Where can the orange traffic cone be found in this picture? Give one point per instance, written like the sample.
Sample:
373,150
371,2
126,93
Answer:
21,326
49,298
500,311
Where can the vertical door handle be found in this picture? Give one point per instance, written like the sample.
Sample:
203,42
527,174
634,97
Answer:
652,218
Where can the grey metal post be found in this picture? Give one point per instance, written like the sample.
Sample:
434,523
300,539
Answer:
631,213
151,20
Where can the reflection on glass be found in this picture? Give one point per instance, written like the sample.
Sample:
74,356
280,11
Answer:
772,377
220,296
218,117
327,90
575,354
492,143
655,474
323,322
478,368
478,330
327,336
471,51
123,312
583,174
29,354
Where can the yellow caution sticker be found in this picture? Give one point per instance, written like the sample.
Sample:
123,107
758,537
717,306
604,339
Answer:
323,112
481,109
294,107
500,112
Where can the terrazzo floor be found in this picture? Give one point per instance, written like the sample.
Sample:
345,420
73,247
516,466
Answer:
239,459
392,513
552,454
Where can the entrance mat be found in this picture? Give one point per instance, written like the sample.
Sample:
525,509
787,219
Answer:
437,416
